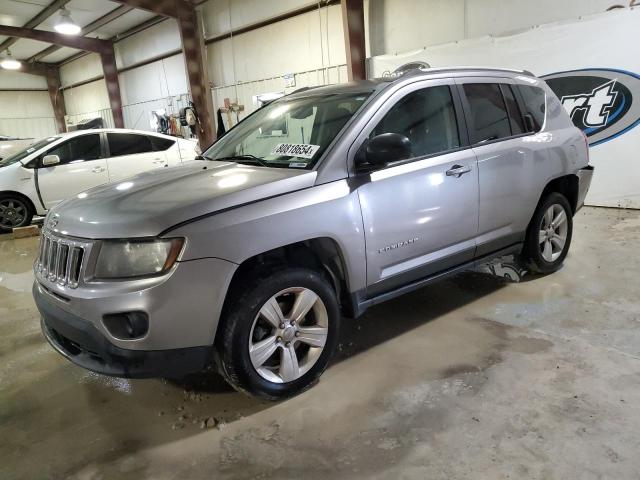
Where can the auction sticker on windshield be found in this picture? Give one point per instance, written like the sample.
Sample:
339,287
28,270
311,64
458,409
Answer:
301,150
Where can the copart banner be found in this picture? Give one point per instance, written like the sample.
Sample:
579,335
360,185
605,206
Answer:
592,64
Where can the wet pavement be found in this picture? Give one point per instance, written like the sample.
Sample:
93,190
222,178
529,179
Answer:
468,378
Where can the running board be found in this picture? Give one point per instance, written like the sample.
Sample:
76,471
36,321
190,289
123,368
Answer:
360,305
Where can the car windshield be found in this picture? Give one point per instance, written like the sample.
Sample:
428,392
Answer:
16,157
290,133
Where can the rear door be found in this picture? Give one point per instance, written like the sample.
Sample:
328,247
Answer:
167,147
421,215
187,149
130,154
507,161
82,166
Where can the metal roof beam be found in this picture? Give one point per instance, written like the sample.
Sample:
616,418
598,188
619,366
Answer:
45,13
92,27
82,43
166,8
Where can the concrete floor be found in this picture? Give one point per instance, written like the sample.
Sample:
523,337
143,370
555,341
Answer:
468,378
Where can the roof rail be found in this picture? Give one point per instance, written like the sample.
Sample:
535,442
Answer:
419,71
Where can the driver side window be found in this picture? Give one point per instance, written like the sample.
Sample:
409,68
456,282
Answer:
78,149
427,118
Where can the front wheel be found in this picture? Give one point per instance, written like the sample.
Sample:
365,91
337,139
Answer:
279,334
549,234
14,212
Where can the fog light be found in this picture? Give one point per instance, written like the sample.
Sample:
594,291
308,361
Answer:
127,326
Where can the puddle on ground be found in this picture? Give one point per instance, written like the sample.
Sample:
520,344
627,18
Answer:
17,282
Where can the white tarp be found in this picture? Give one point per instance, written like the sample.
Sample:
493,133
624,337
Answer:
609,40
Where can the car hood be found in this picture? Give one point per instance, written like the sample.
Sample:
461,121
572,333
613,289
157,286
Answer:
9,147
150,203
6,167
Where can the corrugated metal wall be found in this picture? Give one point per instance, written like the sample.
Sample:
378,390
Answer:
26,114
245,92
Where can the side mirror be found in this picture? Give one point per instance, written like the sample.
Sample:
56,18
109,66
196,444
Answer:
384,149
529,123
49,160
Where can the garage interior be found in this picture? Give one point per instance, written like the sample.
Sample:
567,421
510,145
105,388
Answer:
475,376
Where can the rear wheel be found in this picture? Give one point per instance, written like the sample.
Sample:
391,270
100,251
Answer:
279,334
549,234
14,212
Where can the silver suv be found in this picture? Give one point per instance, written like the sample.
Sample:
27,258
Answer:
312,209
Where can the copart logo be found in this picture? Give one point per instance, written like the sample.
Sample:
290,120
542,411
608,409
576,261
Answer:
604,103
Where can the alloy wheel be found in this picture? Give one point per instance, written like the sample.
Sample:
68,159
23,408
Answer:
288,335
12,212
553,232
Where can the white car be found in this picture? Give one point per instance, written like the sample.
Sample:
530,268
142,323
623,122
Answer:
40,176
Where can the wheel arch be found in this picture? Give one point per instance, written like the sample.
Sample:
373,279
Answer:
567,185
322,254
22,196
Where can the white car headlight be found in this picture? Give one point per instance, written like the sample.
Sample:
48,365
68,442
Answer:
136,258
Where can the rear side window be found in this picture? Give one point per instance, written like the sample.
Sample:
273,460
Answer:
161,144
426,117
535,103
489,117
81,148
128,144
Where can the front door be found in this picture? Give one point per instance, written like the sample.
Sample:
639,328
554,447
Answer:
130,154
420,216
81,167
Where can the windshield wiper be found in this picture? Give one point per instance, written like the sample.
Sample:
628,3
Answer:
242,159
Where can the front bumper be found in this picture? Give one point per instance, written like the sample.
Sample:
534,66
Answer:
83,344
584,182
182,309
183,306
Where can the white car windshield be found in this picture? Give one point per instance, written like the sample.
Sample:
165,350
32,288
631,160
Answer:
291,133
16,157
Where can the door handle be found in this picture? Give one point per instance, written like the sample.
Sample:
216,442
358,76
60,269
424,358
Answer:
158,161
98,170
458,170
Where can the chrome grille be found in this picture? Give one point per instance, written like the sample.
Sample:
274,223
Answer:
60,260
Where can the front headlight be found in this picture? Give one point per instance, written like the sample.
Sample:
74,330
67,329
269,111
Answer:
136,258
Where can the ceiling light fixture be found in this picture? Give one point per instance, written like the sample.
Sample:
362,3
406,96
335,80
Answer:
65,24
10,63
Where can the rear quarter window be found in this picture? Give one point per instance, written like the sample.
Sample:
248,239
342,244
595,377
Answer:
535,104
161,144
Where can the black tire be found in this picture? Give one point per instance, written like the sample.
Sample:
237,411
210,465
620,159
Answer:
15,212
236,330
533,248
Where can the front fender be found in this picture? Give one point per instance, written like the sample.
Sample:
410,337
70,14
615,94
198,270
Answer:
331,210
